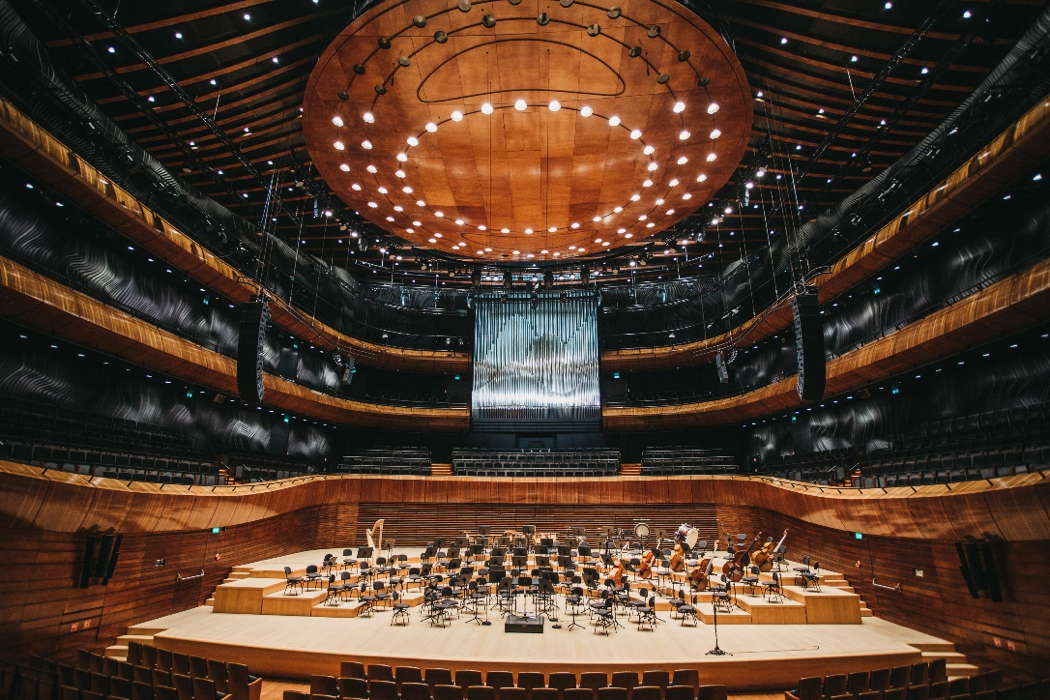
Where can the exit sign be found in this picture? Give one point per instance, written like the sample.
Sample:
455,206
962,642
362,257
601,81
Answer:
858,535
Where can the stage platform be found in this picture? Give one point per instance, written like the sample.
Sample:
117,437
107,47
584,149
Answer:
772,645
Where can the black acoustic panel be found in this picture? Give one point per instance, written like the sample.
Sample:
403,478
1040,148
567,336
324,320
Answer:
809,346
255,318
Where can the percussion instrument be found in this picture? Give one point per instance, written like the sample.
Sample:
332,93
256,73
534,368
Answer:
641,531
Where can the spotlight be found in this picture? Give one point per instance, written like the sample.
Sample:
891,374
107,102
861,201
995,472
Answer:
679,107
486,108
586,111
520,105
594,30
712,108
543,19
440,37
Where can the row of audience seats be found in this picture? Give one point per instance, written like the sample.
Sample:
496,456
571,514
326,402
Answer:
686,460
147,674
387,460
961,448
536,463
122,465
382,682
921,681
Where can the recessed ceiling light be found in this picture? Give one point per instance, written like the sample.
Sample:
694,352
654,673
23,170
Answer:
682,160
178,35
715,133
520,105
684,135
339,146
679,107
337,120
554,105
431,127
586,111
371,168
247,17
614,120
457,116
712,108
636,134
486,108
368,117
367,145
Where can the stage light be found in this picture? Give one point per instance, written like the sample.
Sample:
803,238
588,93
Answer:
520,105
457,116
339,146
683,135
367,145
431,127
679,107
636,134
682,160
652,166
967,14
486,108
178,35
715,133
554,105
614,120
712,108
275,59
854,59
412,141
355,187
371,168
783,40
649,149
586,111
402,156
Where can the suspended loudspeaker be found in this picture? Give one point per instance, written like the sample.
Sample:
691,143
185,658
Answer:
349,370
720,365
809,345
255,317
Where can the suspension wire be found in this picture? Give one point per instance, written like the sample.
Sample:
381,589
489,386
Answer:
747,258
778,190
769,244
295,260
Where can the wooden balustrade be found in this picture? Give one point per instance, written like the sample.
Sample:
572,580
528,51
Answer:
33,148
1022,146
1010,305
42,303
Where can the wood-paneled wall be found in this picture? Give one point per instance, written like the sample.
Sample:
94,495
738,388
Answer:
1014,633
30,146
418,523
905,528
40,302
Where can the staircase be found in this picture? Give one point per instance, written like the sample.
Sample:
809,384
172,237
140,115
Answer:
842,584
440,469
956,662
630,469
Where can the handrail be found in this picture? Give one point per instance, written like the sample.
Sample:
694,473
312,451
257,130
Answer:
897,588
179,578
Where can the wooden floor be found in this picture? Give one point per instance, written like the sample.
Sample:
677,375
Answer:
763,657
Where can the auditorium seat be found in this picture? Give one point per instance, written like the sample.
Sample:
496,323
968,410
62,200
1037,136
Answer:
536,463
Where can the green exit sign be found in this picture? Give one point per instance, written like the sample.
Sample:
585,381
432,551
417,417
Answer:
216,530
858,535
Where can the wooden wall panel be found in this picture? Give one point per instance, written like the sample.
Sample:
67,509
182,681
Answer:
39,302
1014,633
40,153
417,524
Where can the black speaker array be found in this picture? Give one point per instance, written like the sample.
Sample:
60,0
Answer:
98,558
255,318
348,364
983,567
723,371
809,345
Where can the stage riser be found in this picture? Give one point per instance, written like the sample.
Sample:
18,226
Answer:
416,524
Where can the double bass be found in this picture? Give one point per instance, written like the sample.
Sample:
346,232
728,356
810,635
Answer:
645,568
698,577
734,570
617,573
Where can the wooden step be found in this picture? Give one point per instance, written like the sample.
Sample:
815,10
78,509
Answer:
933,646
210,601
949,656
958,670
866,612
146,639
440,469
117,651
146,628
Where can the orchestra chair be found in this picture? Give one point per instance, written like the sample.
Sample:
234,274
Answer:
382,690
604,618
443,691
647,692
712,692
475,692
351,669
624,679
356,688
648,615
499,679
312,575
574,603
687,611
292,583
400,616
562,680
324,685
751,580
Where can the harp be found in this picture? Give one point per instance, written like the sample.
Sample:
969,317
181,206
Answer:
374,535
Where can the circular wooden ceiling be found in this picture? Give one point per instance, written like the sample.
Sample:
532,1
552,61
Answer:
517,130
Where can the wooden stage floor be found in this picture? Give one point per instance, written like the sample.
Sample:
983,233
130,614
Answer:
763,656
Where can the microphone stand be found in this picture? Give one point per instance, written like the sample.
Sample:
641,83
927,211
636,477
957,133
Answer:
717,651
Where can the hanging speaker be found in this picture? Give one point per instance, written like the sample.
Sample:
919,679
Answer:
349,369
809,345
723,371
255,318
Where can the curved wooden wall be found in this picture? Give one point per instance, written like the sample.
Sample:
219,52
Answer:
42,303
1016,149
1015,508
36,150
1013,304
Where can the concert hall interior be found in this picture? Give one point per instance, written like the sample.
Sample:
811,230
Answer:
524,350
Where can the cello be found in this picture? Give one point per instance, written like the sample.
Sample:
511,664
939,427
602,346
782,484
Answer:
698,577
741,558
645,568
763,558
617,573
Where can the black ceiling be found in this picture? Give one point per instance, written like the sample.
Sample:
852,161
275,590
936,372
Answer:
246,64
